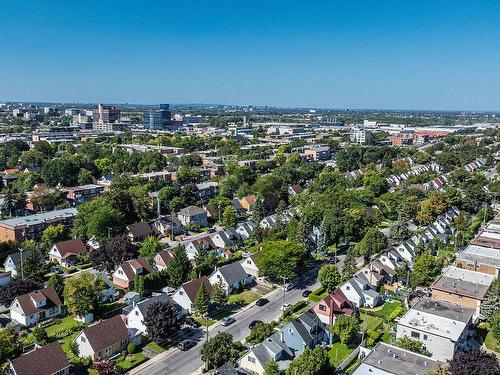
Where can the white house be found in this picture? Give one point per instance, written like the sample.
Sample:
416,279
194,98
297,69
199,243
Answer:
359,291
66,253
137,313
245,229
442,327
103,340
226,238
13,262
231,276
30,308
193,214
249,264
185,296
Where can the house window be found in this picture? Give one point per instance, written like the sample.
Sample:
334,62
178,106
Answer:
82,339
137,313
425,337
322,307
109,350
251,359
348,287
415,335
249,262
181,292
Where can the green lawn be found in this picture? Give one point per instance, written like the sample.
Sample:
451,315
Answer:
130,361
244,298
65,345
318,294
64,325
371,322
106,308
491,342
338,352
155,347
204,322
383,311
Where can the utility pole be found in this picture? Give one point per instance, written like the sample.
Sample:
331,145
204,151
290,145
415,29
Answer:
284,295
22,267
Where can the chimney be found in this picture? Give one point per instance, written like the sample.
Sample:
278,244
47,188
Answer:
282,336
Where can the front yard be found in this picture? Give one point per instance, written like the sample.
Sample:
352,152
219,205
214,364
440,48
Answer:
124,364
244,298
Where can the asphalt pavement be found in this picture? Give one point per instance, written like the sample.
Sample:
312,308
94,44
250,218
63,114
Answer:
178,362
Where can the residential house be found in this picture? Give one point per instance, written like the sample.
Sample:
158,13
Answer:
105,181
333,305
359,291
245,229
458,285
487,238
13,262
31,308
31,227
480,259
137,313
294,189
385,359
185,296
231,277
289,342
248,202
125,274
168,224
109,294
47,360
207,190
7,322
442,327
249,265
226,238
138,232
162,259
103,340
66,253
192,246
268,222
193,214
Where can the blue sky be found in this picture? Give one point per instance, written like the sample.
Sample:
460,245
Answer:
334,54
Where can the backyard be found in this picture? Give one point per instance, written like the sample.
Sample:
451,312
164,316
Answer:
338,352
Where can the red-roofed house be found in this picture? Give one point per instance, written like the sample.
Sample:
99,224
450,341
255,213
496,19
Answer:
30,308
333,305
124,275
66,253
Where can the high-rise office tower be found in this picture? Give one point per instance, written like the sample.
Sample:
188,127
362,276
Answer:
104,114
158,119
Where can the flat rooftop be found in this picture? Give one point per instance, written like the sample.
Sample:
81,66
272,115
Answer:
464,282
389,359
481,254
38,218
445,309
487,239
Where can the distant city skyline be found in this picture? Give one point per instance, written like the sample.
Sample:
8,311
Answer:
410,55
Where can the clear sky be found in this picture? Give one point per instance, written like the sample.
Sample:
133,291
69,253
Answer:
400,54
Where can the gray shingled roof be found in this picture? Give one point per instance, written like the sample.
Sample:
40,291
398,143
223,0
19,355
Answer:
233,272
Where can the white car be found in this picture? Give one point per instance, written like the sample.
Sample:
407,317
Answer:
285,306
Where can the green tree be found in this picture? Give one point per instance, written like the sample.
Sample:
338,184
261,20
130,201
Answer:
179,267
372,244
229,217
258,210
82,293
425,269
399,232
202,301
345,328
53,234
33,265
349,267
8,344
329,277
150,247
279,259
272,368
260,332
219,350
56,281
495,324
97,219
412,345
323,240
219,296
84,177
311,362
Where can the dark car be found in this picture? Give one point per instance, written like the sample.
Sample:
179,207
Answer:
186,344
261,301
192,322
306,293
254,323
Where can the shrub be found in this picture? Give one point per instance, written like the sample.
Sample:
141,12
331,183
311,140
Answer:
131,348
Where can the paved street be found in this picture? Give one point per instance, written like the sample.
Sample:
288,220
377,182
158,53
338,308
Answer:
182,363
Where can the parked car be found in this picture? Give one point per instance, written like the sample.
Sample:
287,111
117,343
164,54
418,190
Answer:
288,287
186,344
254,323
285,306
261,301
227,321
192,322
306,293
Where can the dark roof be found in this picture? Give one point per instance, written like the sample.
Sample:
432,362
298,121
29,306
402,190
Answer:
229,369
71,247
144,305
165,256
192,211
141,229
233,272
44,361
28,306
191,287
129,265
106,333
